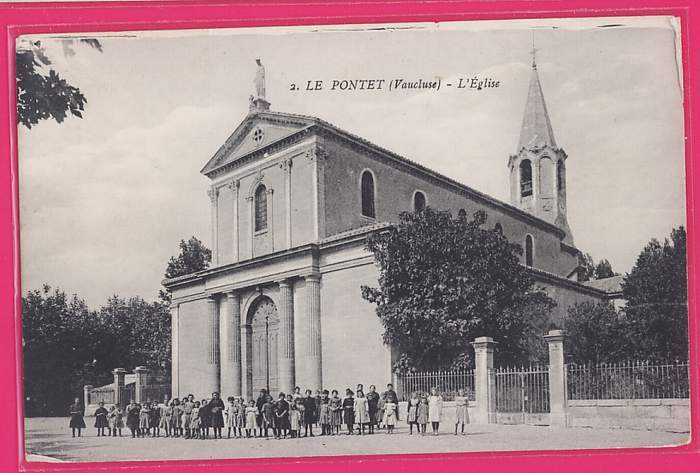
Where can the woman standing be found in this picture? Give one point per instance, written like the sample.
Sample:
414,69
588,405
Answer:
434,409
132,418
281,419
216,409
309,414
373,404
101,422
76,417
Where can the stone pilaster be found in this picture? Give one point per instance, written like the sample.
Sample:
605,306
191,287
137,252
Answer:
213,193
213,355
231,345
251,225
175,350
247,361
313,330
271,217
286,363
312,155
286,166
234,185
484,381
558,401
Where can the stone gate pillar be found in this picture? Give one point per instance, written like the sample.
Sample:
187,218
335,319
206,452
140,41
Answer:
141,383
484,381
558,401
119,382
313,330
86,395
286,362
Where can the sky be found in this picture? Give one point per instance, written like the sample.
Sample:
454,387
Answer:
105,200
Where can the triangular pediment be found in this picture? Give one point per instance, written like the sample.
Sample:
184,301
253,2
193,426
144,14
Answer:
256,131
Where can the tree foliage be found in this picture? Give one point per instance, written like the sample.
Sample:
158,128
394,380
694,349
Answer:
604,270
652,326
444,282
66,345
656,291
588,269
41,93
193,257
595,334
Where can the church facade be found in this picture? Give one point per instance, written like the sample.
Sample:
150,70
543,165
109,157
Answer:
292,200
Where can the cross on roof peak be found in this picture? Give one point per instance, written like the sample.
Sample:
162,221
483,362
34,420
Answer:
533,52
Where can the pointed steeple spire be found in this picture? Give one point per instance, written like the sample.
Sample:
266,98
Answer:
536,131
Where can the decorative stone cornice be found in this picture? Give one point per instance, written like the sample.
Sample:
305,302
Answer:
213,193
286,164
315,153
234,185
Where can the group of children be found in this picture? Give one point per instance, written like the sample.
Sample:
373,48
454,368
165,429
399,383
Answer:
293,415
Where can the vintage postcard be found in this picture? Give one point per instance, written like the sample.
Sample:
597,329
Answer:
353,239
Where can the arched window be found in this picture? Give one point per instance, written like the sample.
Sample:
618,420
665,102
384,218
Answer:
418,201
498,228
525,178
528,250
368,194
260,208
561,175
462,213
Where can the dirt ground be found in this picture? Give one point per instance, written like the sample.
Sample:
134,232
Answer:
49,439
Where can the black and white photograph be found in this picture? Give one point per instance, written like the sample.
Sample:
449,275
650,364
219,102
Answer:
353,240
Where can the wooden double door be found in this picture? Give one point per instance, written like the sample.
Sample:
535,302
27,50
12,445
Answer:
264,335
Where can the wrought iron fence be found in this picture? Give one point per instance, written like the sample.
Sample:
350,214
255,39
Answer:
103,394
628,380
524,390
155,392
447,382
127,393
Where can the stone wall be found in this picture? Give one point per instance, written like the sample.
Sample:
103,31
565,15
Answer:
448,417
641,414
395,188
353,349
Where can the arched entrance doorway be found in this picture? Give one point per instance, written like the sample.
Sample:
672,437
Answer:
264,323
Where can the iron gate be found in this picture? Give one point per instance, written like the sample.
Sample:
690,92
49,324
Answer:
522,395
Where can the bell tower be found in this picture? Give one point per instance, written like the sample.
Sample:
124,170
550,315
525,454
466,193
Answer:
538,169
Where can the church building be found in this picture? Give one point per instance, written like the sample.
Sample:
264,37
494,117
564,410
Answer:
293,199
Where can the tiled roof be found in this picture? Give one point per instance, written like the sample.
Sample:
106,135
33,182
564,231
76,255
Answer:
610,285
356,231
